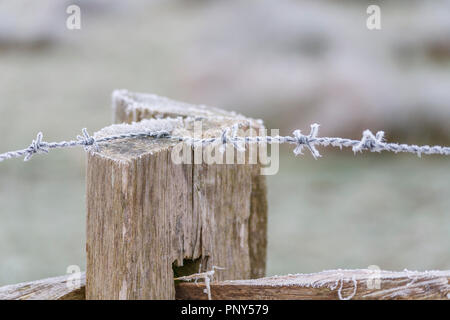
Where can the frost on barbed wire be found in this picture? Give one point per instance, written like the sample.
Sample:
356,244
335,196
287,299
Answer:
165,129
205,276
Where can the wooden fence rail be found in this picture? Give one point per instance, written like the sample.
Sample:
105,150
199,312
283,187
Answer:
334,284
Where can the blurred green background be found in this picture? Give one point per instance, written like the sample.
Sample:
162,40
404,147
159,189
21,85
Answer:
290,63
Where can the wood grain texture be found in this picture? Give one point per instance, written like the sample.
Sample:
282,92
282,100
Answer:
57,288
131,107
316,286
146,214
327,285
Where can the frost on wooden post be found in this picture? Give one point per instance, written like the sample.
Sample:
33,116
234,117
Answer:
130,106
169,125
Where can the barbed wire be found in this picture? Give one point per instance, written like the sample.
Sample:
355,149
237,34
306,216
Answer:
368,142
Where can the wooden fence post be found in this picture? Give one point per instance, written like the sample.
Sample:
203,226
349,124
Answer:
148,218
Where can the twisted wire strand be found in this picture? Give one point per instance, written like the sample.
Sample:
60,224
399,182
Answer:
368,142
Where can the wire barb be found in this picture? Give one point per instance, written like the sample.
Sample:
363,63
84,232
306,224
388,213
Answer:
207,276
36,146
375,143
87,141
307,141
224,140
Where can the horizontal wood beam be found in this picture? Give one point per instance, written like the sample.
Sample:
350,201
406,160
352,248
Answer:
326,285
58,288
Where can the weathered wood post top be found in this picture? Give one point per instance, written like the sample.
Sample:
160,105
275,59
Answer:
150,217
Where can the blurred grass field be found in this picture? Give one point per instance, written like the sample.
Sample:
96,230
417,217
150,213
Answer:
353,212
341,211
